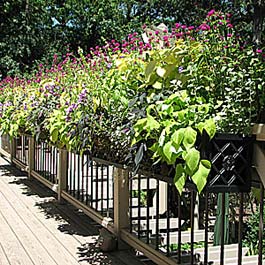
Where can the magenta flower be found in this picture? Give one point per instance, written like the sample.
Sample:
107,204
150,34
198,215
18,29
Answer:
204,27
259,51
229,25
177,25
210,13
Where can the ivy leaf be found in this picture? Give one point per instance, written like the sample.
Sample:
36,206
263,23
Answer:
178,136
180,178
189,138
200,176
192,159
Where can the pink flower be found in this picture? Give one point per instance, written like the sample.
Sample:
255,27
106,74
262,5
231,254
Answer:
210,13
204,26
177,25
229,35
190,27
259,51
229,25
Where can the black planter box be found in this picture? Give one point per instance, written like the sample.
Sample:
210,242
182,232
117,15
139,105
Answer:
231,157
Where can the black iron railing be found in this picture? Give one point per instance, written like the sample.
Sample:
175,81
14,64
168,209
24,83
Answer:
22,147
91,182
46,161
192,229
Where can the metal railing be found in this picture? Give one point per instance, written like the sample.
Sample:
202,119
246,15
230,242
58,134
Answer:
90,181
192,228
21,149
146,210
46,161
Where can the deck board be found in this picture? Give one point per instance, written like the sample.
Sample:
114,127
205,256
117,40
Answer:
35,229
3,256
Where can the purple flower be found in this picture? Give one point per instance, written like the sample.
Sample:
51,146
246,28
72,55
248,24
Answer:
82,97
71,109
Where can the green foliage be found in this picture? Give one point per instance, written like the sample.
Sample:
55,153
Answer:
32,31
251,235
148,104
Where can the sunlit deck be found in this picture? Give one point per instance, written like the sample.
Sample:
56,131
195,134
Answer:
35,229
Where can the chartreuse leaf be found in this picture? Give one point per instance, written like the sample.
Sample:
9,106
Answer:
54,135
157,85
161,71
178,136
192,159
210,128
189,138
150,68
151,123
180,178
162,137
169,151
200,176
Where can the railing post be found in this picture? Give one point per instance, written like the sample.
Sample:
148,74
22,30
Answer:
62,173
31,156
121,200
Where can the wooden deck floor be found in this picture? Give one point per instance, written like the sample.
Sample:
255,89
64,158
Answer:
35,229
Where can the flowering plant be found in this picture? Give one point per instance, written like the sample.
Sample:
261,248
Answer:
148,98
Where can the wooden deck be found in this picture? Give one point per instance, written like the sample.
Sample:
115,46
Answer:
35,229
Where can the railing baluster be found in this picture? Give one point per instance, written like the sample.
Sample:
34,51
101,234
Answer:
131,201
206,228
78,176
261,223
139,205
157,214
87,177
222,228
108,195
179,229
92,183
168,218
97,190
240,227
148,210
192,198
102,188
